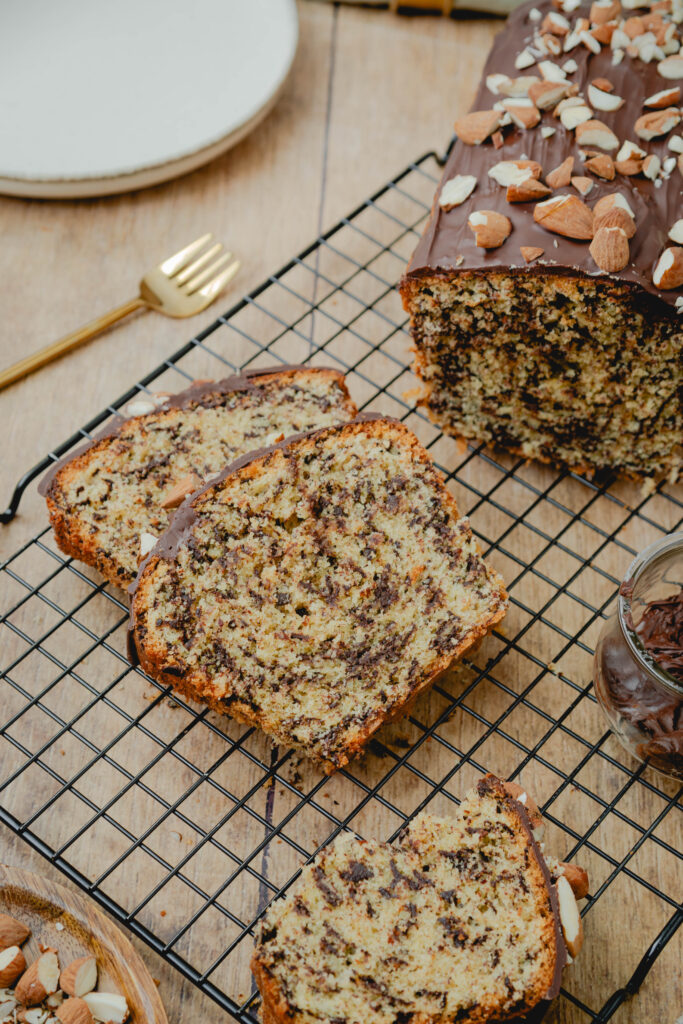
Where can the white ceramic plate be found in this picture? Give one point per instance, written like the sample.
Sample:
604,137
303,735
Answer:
99,97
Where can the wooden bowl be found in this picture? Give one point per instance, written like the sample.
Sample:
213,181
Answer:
75,927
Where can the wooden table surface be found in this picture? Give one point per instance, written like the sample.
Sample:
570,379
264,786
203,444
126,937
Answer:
369,92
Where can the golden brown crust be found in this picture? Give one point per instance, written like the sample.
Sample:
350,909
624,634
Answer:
71,532
198,685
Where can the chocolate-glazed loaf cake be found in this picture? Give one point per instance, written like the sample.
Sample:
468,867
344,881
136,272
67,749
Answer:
545,295
458,920
103,499
316,588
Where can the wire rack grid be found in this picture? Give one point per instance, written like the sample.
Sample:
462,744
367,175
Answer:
185,826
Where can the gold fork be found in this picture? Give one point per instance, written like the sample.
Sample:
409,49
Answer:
181,286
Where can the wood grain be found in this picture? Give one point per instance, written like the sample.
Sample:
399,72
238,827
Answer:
370,92
74,927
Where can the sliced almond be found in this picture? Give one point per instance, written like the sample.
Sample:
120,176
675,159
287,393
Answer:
107,1007
665,98
603,84
530,253
40,980
609,249
615,217
180,491
577,878
12,966
561,176
607,10
474,128
578,114
669,270
602,100
570,919
565,215
672,66
456,190
652,165
74,1011
514,172
79,977
582,185
676,232
545,95
602,166
12,932
490,228
529,191
659,122
595,133
525,117
610,201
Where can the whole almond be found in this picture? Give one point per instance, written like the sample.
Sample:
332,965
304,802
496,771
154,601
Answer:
530,253
562,175
527,192
602,166
615,218
474,128
490,228
12,932
668,272
609,249
565,215
609,201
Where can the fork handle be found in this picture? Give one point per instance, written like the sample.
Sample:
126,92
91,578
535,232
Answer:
58,348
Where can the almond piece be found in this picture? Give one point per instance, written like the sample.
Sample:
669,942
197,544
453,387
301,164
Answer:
518,86
603,33
524,117
676,232
562,175
572,117
629,167
565,215
12,966
577,878
602,166
665,98
669,270
74,1011
672,66
570,919
519,794
652,165
582,185
530,253
609,249
474,128
456,190
527,192
147,542
514,172
659,122
603,83
615,218
107,1007
601,100
610,201
497,139
79,977
12,932
180,491
545,95
595,133
40,980
555,23
490,228
608,10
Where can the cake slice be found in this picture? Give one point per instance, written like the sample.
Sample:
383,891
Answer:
459,920
316,588
104,497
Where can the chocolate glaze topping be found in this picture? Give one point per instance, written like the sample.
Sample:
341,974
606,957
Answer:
447,236
198,393
660,631
183,520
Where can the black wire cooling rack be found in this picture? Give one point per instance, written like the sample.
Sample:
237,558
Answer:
184,826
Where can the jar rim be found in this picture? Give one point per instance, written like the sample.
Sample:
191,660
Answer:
657,549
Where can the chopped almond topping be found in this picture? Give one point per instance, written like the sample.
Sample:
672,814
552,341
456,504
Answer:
565,215
474,128
530,253
602,166
562,175
526,192
603,83
615,217
582,185
609,249
490,228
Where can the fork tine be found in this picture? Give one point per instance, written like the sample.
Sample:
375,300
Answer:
175,263
211,290
206,275
198,264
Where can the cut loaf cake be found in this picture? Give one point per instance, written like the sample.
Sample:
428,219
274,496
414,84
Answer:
314,589
102,499
459,920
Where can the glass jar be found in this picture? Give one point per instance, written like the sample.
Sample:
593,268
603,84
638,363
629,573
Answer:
639,659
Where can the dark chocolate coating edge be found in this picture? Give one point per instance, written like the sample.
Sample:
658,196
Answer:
493,786
168,544
191,395
446,235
